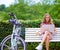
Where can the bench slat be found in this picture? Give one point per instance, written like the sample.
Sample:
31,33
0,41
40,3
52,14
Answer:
40,40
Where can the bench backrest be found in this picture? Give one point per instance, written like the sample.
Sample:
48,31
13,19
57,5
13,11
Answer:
30,35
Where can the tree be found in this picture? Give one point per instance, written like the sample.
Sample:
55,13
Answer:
2,7
21,1
57,1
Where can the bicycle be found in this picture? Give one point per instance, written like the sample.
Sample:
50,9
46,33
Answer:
14,41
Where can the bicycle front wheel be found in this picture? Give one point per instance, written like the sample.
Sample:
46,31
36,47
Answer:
6,43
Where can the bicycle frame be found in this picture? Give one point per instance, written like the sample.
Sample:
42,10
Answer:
16,31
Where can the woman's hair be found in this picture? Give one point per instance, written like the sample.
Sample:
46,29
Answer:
44,19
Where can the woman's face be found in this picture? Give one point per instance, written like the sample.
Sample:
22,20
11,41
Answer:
47,18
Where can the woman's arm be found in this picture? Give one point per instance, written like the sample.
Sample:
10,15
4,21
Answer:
55,30
39,32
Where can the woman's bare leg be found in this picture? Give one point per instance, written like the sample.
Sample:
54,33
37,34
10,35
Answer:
43,40
47,42
44,37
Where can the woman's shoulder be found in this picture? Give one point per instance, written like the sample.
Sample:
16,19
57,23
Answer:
52,23
42,24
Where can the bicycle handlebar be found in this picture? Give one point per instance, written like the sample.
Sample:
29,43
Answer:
13,19
13,16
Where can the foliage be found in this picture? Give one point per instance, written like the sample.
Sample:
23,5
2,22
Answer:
5,30
36,11
2,7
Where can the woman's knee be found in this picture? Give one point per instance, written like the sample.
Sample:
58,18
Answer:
48,37
46,32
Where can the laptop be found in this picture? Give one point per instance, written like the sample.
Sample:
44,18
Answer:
48,27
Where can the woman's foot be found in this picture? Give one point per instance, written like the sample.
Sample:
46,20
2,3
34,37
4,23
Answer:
39,47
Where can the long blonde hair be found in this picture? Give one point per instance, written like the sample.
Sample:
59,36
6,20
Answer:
50,19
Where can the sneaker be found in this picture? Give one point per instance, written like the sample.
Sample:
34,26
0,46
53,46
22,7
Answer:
39,47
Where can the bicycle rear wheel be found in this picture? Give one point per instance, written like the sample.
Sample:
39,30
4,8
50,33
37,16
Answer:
6,43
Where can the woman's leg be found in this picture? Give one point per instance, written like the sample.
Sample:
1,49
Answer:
44,37
47,42
43,40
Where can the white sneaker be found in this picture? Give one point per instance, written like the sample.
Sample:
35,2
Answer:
39,47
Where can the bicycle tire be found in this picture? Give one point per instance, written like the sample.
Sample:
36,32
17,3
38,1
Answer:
9,37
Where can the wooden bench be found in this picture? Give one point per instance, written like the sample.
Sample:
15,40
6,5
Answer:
30,35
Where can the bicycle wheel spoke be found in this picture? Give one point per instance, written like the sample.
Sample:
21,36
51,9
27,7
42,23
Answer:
6,46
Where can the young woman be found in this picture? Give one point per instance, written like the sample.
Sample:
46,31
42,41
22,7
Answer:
47,35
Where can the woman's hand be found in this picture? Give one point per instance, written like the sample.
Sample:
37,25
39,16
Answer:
55,31
38,33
